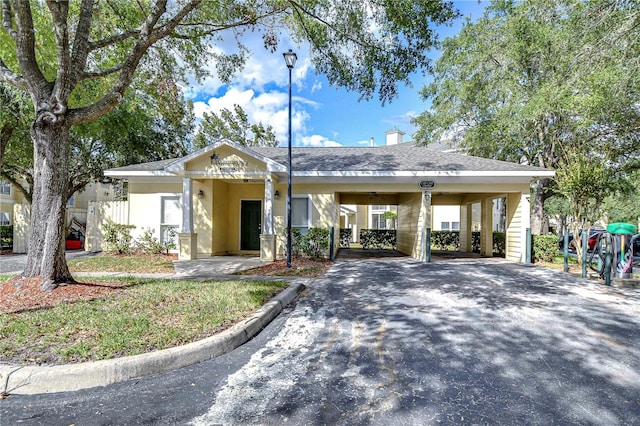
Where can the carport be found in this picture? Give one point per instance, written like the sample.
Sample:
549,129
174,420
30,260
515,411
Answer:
414,207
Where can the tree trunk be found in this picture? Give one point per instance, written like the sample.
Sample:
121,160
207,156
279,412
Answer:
537,214
46,250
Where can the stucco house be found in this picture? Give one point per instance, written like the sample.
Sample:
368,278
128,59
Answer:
231,199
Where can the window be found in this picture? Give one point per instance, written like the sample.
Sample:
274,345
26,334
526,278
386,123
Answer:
455,226
377,222
300,213
444,226
71,201
170,217
5,219
5,187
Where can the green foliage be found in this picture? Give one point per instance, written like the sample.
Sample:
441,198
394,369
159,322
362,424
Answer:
233,125
377,239
445,240
545,248
6,236
314,243
346,235
498,243
149,244
550,82
117,238
624,206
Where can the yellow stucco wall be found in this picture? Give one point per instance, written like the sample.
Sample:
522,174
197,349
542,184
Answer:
145,204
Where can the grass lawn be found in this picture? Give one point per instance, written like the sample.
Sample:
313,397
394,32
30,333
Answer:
119,263
145,315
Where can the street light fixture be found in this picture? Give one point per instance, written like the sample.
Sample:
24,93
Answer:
290,59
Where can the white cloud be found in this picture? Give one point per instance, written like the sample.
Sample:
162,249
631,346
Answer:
316,141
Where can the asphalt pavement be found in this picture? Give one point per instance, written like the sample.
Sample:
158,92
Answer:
395,341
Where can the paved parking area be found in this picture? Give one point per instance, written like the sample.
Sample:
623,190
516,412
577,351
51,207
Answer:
394,341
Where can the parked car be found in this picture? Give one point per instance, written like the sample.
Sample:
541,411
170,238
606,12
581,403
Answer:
591,241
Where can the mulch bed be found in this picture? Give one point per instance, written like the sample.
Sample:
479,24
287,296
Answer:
299,268
21,294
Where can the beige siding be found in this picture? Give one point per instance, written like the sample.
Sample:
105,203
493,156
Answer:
515,244
409,231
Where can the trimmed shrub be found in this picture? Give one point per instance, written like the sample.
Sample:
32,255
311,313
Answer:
345,237
377,239
6,236
545,247
499,243
445,240
315,242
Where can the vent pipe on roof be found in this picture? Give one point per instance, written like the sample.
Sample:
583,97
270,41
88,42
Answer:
371,142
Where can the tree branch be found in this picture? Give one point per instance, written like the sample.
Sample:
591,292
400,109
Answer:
6,19
101,73
99,44
11,77
25,42
147,37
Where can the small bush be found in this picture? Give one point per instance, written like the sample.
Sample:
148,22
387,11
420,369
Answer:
6,236
117,238
315,242
498,243
445,240
376,239
545,247
345,237
149,244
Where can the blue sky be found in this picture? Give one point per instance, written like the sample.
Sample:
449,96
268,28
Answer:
322,115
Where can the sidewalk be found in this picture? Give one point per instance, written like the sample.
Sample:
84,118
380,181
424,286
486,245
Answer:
27,379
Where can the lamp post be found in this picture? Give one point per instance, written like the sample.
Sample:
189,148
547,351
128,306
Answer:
290,59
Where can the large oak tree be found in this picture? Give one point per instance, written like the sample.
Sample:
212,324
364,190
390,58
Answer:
554,83
77,59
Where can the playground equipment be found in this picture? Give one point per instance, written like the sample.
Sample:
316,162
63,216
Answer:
613,252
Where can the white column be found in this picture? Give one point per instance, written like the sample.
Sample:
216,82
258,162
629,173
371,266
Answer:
425,223
525,220
267,228
187,206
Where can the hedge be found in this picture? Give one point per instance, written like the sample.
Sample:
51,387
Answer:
377,239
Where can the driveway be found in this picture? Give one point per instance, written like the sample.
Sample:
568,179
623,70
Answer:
14,263
395,341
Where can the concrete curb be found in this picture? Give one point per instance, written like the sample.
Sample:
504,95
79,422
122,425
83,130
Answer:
28,380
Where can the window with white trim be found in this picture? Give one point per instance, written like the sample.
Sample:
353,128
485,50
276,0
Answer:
170,217
455,226
71,202
444,226
5,218
301,212
5,187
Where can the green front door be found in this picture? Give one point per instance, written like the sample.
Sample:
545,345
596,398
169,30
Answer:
250,224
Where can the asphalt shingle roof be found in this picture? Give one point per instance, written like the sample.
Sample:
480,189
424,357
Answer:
407,157
387,158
